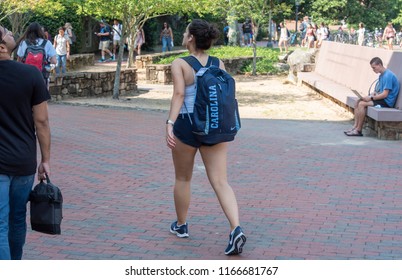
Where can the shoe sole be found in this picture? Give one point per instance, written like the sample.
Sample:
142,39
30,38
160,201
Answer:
237,247
181,235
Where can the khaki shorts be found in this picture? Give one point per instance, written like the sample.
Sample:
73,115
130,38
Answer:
104,45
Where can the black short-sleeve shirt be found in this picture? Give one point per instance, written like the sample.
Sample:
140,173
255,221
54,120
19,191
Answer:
21,87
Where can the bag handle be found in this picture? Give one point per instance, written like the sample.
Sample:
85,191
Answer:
47,179
375,82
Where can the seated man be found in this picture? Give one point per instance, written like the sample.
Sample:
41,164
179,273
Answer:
388,89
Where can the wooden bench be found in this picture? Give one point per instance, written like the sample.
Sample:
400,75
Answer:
342,67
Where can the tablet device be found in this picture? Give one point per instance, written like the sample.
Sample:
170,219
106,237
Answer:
357,93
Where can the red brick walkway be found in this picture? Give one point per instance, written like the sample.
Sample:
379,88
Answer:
305,191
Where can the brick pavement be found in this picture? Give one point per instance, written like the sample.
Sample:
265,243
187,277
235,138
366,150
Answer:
305,191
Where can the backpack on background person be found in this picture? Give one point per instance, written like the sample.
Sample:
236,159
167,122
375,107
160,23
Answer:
216,112
36,55
73,37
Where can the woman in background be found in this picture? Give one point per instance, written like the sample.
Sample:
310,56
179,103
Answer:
62,46
166,37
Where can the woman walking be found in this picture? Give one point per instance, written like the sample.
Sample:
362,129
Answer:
166,37
389,35
62,46
139,40
197,38
360,34
283,39
35,36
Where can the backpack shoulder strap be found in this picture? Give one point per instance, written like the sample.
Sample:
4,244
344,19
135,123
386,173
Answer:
193,62
197,65
43,43
212,60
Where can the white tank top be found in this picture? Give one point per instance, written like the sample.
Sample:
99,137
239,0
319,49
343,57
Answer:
189,97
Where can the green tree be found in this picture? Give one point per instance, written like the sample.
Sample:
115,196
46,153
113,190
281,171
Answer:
373,13
19,13
260,11
134,14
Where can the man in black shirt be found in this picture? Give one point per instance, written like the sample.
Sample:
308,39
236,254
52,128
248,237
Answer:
247,32
23,119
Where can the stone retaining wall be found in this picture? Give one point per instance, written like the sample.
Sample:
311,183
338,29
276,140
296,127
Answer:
141,61
77,61
91,84
162,73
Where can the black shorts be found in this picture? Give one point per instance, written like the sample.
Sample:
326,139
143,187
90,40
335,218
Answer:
183,130
381,102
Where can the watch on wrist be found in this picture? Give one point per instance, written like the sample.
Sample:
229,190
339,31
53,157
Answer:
169,122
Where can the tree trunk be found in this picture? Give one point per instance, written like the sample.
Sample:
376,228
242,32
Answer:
116,86
255,34
130,44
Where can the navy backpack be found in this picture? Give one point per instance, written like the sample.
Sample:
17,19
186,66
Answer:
216,112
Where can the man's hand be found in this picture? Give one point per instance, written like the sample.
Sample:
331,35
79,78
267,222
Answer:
43,169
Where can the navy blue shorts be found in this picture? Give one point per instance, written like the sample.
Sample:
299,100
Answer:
381,102
183,130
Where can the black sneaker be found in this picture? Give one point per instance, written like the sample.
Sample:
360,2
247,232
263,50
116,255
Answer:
181,231
237,239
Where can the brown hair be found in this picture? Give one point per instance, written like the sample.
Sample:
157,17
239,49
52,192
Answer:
376,60
33,33
204,33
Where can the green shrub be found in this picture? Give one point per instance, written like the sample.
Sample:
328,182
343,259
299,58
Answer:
267,58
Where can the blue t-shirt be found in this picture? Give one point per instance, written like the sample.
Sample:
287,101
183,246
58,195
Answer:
388,80
105,29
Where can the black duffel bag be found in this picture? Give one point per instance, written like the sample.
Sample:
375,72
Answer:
46,207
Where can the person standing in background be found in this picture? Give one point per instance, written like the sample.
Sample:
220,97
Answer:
389,35
139,40
62,46
104,41
68,29
360,34
247,32
283,39
117,31
34,35
166,37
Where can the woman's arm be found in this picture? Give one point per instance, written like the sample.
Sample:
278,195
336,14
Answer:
177,100
68,48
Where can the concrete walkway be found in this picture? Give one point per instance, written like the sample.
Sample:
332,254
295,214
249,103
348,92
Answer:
305,191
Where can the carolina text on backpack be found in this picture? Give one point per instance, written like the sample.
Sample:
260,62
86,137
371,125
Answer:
214,107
